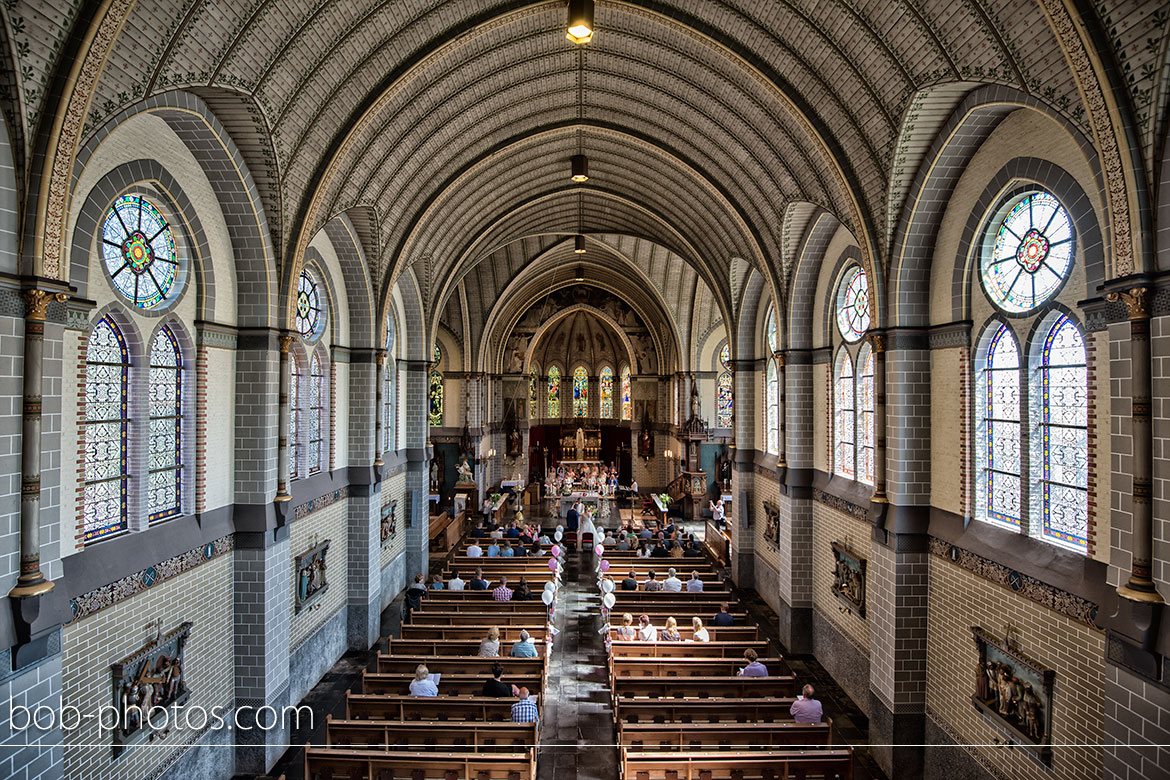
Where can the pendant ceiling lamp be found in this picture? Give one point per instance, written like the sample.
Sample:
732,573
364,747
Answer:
580,165
579,244
580,26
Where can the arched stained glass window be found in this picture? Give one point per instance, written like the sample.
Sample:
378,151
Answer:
865,427
139,251
435,400
580,392
1064,438
772,400
844,435
725,356
107,423
724,401
998,432
533,395
554,392
164,487
296,386
318,393
853,304
606,387
436,354
1028,257
627,406
310,317
770,330
389,399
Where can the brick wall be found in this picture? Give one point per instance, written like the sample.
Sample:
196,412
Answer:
822,406
830,526
327,523
394,489
946,425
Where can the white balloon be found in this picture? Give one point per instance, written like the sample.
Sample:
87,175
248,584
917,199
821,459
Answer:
609,600
547,597
558,536
607,586
549,586
560,528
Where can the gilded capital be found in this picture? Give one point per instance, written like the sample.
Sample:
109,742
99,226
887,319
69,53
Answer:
877,341
781,358
382,355
36,303
1136,300
286,341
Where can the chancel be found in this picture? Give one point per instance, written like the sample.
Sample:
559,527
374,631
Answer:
526,389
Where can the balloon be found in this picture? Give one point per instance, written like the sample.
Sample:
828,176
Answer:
547,597
558,536
556,549
560,528
604,565
599,549
608,600
553,565
549,586
607,586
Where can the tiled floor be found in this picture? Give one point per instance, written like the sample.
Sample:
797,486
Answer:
577,728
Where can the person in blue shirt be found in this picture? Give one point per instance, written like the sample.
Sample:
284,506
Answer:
572,519
478,582
724,618
478,532
525,648
507,552
437,582
493,550
513,532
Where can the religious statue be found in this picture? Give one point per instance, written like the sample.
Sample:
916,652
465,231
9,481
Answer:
464,469
152,677
580,444
694,399
1030,713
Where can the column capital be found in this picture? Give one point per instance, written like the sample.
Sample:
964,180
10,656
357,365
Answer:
286,342
36,303
1136,300
877,341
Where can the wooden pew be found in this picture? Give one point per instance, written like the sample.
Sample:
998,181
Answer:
687,649
748,711
700,688
406,664
479,616
449,684
424,735
698,736
687,667
834,764
352,764
446,647
380,706
477,607
508,633
731,634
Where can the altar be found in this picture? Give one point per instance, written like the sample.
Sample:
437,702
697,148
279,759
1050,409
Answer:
587,497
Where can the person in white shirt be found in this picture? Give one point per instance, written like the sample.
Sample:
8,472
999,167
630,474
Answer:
423,684
694,584
474,551
672,583
700,634
455,583
497,534
646,630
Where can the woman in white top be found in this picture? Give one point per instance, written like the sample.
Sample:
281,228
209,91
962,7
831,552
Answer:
700,633
646,630
422,684
489,646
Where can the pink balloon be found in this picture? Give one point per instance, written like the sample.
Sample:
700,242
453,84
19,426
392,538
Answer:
604,565
556,550
552,564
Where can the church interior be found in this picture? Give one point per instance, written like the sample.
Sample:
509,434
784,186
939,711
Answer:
354,354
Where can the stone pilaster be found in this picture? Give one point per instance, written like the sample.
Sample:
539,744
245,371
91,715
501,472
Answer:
795,534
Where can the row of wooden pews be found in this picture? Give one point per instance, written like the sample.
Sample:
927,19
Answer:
680,707
388,734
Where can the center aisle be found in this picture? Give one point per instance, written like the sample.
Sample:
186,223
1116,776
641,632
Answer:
577,735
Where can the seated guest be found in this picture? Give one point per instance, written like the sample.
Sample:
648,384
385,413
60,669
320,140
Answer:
544,538
437,582
497,533
651,584
692,550
496,687
493,550
423,684
525,648
672,584
670,633
659,551
507,552
523,592
474,551
478,582
724,618
455,583
513,531
524,710
630,582
418,583
478,532
502,592
806,709
535,551
644,551
489,646
694,584
626,631
414,595
676,550
520,550
645,533
700,634
754,668
623,544
646,630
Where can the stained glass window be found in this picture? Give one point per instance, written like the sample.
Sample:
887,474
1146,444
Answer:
295,383
1031,254
627,406
1064,435
139,251
310,319
606,385
107,374
844,441
725,356
436,354
389,400
533,385
998,437
318,391
554,392
580,392
770,329
435,400
853,304
772,400
723,401
865,428
164,490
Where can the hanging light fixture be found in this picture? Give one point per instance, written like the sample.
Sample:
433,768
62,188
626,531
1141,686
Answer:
579,244
580,26
580,273
580,168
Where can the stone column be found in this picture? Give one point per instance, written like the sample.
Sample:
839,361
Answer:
795,536
282,464
418,453
744,380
